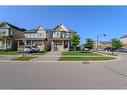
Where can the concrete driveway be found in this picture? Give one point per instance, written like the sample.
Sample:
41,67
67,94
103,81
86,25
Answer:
64,75
50,56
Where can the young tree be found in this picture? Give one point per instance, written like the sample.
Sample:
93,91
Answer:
75,40
116,44
89,43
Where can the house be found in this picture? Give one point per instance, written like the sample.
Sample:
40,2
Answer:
102,44
61,38
56,39
123,39
8,35
39,37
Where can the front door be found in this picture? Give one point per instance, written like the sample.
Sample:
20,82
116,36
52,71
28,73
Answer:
58,47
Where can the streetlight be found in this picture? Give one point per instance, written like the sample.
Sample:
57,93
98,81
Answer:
98,38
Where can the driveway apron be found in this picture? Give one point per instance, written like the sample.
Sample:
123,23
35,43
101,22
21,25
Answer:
50,56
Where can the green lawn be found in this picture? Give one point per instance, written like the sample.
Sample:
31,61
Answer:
80,53
107,53
25,58
85,58
8,52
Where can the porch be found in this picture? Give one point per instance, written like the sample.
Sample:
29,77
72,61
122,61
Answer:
6,43
60,45
40,43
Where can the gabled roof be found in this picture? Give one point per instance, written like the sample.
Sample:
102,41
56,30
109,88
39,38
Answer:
71,31
125,36
11,26
48,30
35,30
61,26
30,31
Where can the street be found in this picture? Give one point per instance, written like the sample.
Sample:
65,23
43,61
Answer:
64,75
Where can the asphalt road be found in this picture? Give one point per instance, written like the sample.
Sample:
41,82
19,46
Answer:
64,75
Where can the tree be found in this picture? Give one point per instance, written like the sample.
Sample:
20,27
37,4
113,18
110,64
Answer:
89,43
75,40
116,44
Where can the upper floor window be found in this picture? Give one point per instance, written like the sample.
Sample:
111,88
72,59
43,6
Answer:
57,33
39,34
26,35
30,35
4,32
66,35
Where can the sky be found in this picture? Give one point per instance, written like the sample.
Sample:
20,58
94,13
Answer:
87,21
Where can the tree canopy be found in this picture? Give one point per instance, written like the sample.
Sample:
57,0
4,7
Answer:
75,40
116,43
89,43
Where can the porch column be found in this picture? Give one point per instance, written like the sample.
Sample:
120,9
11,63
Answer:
52,46
43,46
62,45
31,43
25,43
5,44
18,44
10,43
68,45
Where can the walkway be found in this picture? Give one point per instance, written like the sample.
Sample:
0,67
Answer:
50,56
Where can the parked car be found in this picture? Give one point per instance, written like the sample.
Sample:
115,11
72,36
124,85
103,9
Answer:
35,49
108,49
86,49
29,49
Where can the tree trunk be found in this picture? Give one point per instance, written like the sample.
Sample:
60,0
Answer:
112,52
75,48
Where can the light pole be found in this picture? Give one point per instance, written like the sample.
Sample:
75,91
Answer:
98,38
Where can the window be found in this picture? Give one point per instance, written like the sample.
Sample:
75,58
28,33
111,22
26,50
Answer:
39,35
26,35
34,36
66,35
30,35
57,33
9,32
4,31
